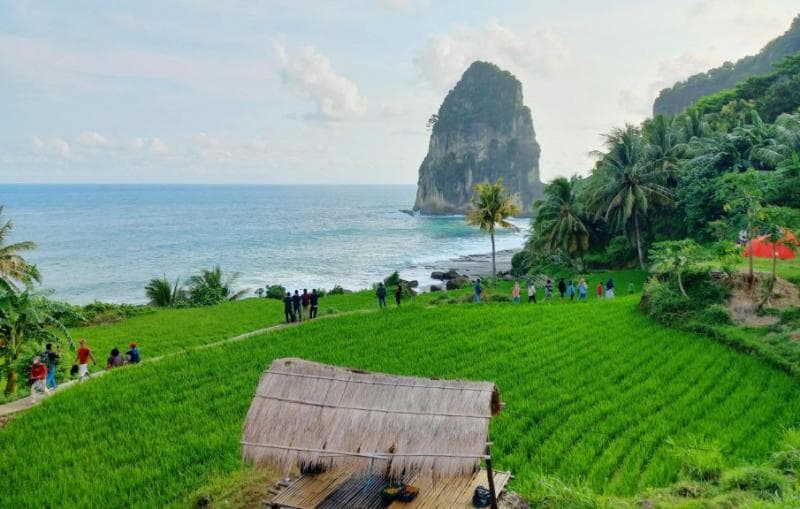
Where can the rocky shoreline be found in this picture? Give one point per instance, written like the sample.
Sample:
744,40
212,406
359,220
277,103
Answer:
470,266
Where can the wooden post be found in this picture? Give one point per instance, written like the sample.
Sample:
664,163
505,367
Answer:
490,476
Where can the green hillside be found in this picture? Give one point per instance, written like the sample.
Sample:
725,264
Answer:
597,394
673,100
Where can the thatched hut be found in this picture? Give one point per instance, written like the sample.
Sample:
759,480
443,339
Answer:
306,414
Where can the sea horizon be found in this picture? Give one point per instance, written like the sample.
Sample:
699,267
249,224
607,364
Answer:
105,241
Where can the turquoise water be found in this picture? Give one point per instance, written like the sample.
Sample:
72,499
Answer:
103,242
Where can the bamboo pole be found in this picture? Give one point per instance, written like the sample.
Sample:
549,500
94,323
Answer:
490,476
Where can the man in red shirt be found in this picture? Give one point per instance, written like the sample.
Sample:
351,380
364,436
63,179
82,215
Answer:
84,354
38,375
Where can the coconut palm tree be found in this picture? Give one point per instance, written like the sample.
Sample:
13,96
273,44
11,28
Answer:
13,267
624,187
26,321
161,293
491,206
558,224
664,151
210,287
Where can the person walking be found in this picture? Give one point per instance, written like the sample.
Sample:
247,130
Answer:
515,292
115,359
571,291
38,376
600,290
478,290
306,301
133,355
398,294
84,354
381,293
296,311
582,289
562,288
531,291
287,308
50,359
314,303
610,289
548,290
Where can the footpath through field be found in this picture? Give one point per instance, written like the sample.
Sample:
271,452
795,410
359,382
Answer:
27,402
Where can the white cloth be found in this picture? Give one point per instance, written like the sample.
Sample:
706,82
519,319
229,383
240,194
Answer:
83,370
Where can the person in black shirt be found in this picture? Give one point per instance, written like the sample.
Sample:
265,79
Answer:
314,304
296,300
398,295
287,307
562,288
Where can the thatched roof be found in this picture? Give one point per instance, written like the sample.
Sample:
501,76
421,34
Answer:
306,413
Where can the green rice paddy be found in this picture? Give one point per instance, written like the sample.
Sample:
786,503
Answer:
595,392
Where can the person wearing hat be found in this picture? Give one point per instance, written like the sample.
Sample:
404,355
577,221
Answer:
38,375
133,354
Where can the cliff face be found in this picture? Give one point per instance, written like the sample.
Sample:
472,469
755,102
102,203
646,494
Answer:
482,132
673,100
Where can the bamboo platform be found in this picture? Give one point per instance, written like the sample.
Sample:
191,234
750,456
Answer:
338,490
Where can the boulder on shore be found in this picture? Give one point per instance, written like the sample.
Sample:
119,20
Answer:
436,288
437,274
458,283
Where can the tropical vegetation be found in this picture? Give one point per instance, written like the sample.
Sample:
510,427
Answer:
491,207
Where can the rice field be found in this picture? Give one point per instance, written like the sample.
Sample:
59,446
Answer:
595,393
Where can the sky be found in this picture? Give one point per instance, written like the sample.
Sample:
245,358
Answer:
330,92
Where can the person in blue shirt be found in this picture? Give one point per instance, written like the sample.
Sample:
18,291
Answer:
296,312
381,294
133,355
582,289
50,358
571,291
478,290
610,289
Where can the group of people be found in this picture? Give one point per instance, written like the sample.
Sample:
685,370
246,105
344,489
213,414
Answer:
565,290
45,365
299,307
380,292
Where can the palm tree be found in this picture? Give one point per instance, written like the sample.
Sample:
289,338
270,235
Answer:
210,287
13,267
625,187
25,319
162,293
491,205
664,151
557,222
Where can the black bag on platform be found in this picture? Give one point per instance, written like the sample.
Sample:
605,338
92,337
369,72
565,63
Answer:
73,370
482,497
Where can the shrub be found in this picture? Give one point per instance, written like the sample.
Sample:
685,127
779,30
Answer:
715,314
764,482
393,279
276,292
337,290
498,297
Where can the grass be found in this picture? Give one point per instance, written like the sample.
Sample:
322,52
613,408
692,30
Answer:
596,395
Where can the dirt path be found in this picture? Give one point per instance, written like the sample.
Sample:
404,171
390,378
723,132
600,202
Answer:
27,402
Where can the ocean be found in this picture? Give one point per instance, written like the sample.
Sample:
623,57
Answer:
104,242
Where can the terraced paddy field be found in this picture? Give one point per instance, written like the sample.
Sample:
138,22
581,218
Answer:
596,394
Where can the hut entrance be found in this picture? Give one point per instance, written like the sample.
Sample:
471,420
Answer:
361,433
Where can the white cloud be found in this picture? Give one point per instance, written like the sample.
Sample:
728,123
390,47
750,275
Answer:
92,139
751,19
158,146
51,147
539,53
311,74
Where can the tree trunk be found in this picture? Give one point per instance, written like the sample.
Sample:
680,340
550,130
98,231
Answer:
494,265
680,285
638,239
11,381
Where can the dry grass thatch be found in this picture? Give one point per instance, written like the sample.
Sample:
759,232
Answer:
306,414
